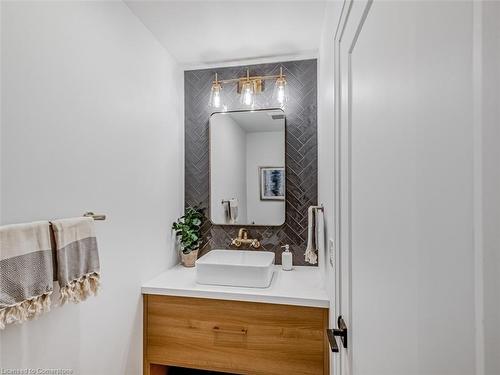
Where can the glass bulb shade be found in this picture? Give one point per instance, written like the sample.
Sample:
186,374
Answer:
215,96
279,93
247,93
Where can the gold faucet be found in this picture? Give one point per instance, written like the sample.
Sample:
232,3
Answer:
243,239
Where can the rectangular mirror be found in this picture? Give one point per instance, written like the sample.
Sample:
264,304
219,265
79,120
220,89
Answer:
247,168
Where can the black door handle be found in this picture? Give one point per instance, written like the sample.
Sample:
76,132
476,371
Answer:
341,331
332,341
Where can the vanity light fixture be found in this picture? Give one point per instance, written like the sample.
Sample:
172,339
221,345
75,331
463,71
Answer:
216,94
248,87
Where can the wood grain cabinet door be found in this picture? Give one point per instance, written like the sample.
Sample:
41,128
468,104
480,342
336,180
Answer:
235,337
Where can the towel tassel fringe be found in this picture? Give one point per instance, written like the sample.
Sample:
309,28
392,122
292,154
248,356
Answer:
80,289
25,310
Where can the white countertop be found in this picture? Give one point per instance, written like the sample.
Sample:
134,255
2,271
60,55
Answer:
300,287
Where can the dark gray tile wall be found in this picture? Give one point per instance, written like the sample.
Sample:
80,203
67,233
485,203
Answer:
301,150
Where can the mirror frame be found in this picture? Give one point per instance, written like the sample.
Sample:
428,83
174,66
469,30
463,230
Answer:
210,167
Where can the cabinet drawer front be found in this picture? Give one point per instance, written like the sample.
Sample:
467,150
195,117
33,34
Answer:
239,337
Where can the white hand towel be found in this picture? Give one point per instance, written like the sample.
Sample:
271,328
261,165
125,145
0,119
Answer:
233,210
310,255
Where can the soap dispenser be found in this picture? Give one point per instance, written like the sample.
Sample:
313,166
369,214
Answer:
286,259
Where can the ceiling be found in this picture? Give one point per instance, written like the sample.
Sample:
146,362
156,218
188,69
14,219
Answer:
259,121
211,32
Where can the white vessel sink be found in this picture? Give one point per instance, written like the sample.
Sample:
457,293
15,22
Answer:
252,269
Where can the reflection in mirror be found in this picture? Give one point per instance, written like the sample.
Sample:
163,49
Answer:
247,168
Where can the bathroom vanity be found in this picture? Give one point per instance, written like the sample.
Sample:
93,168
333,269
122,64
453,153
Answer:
236,312
276,330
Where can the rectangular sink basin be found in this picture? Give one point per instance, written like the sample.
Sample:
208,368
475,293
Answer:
252,269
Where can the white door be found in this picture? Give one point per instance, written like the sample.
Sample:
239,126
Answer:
403,168
350,25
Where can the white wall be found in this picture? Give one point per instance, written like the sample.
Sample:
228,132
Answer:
264,149
491,183
228,165
90,121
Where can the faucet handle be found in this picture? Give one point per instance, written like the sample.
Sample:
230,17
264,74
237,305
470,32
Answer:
255,244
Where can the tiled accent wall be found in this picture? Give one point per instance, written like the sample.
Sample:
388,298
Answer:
301,150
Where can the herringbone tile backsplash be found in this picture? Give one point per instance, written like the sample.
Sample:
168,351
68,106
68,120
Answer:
301,150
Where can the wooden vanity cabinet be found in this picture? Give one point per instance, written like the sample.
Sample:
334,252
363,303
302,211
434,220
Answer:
234,337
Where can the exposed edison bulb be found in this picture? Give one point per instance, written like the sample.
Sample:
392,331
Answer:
247,96
215,100
281,94
215,96
247,93
280,91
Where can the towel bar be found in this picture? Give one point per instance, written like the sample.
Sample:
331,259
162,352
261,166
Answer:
95,216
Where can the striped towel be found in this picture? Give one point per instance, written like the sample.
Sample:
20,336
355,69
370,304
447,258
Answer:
26,271
77,258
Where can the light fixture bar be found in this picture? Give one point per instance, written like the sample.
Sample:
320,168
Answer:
250,78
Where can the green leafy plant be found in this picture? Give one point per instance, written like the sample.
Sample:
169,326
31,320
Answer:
188,227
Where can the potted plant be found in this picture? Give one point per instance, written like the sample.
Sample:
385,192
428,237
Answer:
187,229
